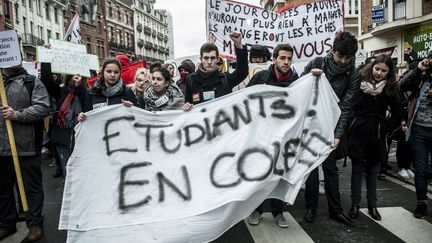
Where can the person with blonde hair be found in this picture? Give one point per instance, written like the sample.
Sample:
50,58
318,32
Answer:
142,80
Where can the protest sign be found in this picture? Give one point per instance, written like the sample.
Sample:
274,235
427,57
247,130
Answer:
10,54
68,58
309,28
177,176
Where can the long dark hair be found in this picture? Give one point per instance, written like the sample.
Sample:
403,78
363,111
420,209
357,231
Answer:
110,60
391,88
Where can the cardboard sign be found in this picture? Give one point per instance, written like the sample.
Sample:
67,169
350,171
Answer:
10,54
68,58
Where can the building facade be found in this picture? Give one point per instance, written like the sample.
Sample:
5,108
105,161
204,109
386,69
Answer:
37,21
6,15
404,30
92,25
351,10
120,28
151,32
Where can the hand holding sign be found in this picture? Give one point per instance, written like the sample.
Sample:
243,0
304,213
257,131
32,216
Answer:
236,37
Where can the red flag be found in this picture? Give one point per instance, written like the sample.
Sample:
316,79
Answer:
127,73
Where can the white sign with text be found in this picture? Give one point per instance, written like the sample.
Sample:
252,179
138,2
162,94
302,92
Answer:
10,54
309,28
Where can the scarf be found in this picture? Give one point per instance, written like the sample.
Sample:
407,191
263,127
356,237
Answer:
69,111
284,77
204,72
373,89
332,68
173,94
108,91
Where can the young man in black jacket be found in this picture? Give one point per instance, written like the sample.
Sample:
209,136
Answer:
339,68
207,82
278,74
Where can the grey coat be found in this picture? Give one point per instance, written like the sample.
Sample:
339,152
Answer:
30,111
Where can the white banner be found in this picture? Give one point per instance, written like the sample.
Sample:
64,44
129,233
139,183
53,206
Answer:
9,49
73,33
179,176
309,28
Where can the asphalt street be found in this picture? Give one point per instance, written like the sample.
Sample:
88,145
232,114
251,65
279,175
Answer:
396,202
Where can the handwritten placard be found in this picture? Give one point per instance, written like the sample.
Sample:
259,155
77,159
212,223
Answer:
9,49
309,28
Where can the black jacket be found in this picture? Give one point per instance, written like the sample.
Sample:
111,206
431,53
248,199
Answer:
268,77
98,98
197,83
347,87
371,125
63,136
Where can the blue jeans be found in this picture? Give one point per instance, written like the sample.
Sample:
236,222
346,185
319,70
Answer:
64,152
421,147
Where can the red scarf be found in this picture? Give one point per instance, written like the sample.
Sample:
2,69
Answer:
284,77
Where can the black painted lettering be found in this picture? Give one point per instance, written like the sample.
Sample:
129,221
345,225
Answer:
187,196
124,183
213,169
107,136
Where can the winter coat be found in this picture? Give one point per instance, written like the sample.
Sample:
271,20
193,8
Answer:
197,83
269,77
347,87
99,100
63,136
371,125
31,111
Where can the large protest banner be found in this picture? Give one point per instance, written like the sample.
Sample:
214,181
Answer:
177,176
309,28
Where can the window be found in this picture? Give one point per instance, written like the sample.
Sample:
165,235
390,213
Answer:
6,9
23,2
110,33
31,5
88,45
16,14
47,11
118,14
25,24
40,31
56,19
57,36
48,35
126,19
126,38
119,36
110,9
31,27
38,7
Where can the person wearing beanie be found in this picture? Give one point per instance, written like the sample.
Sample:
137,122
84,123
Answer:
259,54
186,67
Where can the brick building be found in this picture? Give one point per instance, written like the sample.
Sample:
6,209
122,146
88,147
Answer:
6,16
404,31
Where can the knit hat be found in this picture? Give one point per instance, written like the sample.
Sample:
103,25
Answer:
188,66
124,60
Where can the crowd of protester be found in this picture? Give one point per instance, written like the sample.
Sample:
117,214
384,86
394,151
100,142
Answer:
377,106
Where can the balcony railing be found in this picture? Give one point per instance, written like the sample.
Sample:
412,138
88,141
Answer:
147,30
31,40
400,11
148,45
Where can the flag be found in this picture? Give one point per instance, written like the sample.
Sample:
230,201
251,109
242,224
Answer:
73,34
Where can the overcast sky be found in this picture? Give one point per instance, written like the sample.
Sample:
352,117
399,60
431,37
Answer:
189,24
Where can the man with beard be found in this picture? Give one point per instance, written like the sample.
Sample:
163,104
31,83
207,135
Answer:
339,68
28,104
207,83
279,74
